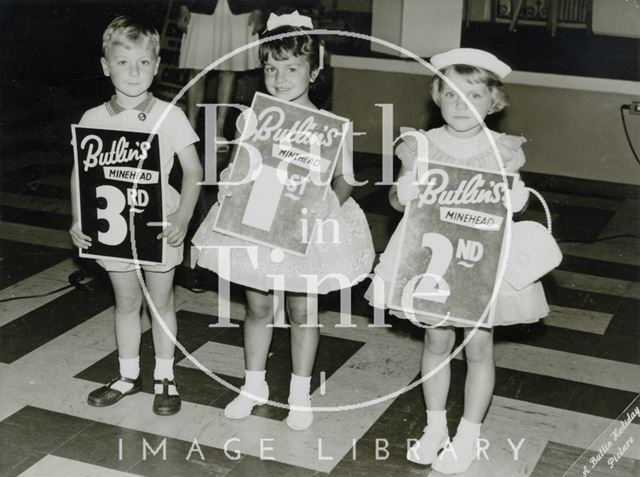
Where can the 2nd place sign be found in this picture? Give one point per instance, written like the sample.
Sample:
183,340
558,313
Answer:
452,245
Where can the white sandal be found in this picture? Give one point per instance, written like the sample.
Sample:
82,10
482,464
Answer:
428,446
242,405
300,419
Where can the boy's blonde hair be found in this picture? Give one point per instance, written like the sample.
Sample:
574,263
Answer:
474,75
133,30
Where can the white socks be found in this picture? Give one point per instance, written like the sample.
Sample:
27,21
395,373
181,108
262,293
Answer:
255,384
129,368
164,370
241,406
299,387
456,456
435,436
254,379
460,454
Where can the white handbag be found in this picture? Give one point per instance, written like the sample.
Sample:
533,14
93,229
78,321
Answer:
533,252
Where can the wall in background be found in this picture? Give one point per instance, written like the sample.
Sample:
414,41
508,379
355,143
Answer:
360,6
574,133
611,17
403,23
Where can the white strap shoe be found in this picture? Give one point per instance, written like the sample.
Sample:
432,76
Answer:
300,419
425,451
458,459
242,405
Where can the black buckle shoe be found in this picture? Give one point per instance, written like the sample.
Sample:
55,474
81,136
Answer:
106,396
164,404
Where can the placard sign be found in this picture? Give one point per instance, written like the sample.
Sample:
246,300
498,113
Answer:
119,175
283,164
451,245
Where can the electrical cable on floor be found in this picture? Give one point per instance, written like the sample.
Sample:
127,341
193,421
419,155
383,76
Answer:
80,280
190,279
601,239
36,296
77,279
626,132
196,290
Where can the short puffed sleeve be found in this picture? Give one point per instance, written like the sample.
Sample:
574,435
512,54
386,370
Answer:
413,140
180,132
510,148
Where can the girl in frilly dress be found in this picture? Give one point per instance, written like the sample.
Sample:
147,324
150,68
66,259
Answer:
462,141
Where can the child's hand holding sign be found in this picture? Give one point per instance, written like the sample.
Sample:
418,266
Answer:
176,230
79,239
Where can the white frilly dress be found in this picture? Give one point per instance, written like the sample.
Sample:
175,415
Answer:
352,256
512,306
209,37
349,254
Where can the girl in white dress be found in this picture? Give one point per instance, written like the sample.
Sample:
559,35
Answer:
462,141
209,37
291,65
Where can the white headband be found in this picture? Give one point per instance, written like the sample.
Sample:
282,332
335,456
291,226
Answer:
295,20
471,57
291,19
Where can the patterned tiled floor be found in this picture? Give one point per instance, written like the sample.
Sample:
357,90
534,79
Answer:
563,385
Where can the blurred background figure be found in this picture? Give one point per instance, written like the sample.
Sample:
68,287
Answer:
213,28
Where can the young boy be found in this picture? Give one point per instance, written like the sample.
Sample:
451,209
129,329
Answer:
130,50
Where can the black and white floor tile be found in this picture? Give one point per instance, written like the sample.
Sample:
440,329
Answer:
560,384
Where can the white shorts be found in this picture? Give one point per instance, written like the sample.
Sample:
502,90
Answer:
173,258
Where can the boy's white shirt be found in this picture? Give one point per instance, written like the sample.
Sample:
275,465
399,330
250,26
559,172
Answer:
175,133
